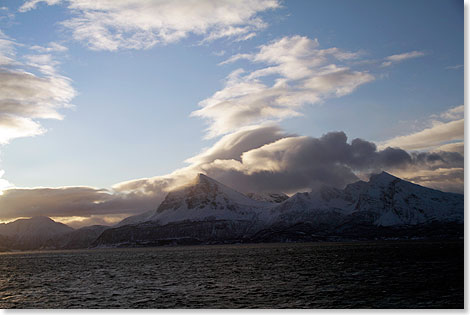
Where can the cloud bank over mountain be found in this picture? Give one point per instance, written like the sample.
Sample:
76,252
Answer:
283,164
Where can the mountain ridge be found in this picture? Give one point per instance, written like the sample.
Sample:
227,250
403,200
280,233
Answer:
384,204
205,211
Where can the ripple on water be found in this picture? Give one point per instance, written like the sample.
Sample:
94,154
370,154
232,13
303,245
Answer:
319,275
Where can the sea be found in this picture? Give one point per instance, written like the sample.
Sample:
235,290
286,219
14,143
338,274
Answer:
385,274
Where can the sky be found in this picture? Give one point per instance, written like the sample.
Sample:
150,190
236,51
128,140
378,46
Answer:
106,106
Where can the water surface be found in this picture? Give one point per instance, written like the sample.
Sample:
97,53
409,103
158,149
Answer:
309,275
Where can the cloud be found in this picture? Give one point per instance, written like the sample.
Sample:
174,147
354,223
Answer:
400,57
31,89
441,132
137,24
52,47
232,146
71,202
301,74
286,163
4,184
451,147
454,113
446,179
31,4
25,96
256,159
456,67
302,163
436,135
219,53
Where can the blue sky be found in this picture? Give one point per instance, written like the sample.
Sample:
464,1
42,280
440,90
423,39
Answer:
134,96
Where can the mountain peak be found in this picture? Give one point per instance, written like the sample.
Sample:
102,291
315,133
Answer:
382,177
201,178
41,218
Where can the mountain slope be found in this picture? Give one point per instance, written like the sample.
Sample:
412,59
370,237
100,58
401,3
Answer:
80,238
268,197
135,219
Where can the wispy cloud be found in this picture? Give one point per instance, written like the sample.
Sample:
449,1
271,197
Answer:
26,96
31,4
51,47
456,67
400,57
31,89
446,127
136,24
301,72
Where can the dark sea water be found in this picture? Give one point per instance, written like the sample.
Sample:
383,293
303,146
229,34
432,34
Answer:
314,275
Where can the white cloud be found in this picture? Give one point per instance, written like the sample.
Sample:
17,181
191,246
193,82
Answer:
445,179
140,24
452,147
400,57
427,138
456,67
232,146
301,73
454,113
219,53
31,4
440,132
27,95
4,184
30,90
52,47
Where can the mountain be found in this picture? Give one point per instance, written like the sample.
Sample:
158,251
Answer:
207,199
206,211
384,207
32,233
387,201
202,211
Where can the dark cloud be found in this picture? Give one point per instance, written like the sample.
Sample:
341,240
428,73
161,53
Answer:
301,163
72,201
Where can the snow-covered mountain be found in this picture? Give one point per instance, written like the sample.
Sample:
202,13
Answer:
387,200
207,199
206,211
202,211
